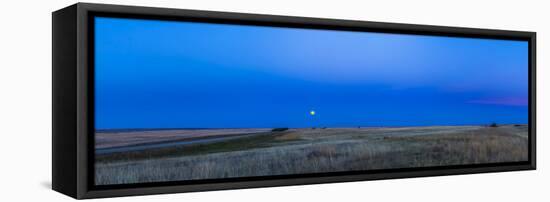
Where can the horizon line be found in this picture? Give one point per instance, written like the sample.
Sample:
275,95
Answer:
387,126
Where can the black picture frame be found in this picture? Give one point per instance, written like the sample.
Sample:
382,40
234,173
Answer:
73,98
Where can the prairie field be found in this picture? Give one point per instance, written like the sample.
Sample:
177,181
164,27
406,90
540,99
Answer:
191,154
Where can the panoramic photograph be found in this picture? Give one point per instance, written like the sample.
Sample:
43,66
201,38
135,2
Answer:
183,101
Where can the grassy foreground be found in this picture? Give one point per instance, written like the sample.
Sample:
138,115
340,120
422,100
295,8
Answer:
298,151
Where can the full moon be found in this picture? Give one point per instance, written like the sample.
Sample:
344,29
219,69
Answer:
312,113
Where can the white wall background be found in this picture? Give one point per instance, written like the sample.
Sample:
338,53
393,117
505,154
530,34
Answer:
25,99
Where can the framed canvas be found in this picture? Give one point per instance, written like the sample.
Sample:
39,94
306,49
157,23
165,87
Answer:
156,100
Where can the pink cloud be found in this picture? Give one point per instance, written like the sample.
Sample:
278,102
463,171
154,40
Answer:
509,101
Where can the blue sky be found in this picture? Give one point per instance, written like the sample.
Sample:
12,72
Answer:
167,74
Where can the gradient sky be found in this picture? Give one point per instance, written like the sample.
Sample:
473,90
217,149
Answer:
167,74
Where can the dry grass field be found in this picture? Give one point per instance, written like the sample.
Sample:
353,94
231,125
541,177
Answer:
298,151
